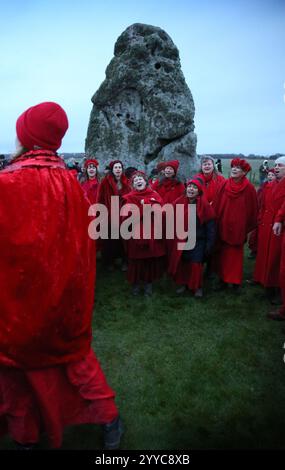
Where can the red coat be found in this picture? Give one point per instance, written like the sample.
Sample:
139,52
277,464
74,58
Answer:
267,264
108,188
47,264
90,188
212,185
280,217
169,189
236,210
140,248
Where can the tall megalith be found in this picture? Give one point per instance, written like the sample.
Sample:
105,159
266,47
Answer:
143,112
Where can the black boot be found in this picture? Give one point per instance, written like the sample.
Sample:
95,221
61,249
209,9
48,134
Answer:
20,446
112,434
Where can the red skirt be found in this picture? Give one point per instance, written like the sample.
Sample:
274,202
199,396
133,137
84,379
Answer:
189,274
47,400
229,263
145,269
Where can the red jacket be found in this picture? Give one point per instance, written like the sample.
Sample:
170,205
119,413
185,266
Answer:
47,264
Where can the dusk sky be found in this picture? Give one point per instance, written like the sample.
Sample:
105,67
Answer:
232,55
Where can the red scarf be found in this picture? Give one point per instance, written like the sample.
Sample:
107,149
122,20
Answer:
235,188
212,184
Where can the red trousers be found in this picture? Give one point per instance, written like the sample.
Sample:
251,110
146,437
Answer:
47,400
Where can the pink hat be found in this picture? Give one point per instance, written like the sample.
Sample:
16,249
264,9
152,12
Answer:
43,126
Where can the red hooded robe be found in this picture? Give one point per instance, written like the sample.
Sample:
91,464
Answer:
236,210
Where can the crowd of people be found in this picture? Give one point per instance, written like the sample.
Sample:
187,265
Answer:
49,375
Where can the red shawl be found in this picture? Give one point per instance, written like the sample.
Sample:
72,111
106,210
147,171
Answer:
169,189
212,184
90,188
47,264
236,210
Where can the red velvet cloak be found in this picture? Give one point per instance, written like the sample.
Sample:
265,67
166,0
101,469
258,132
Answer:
267,264
47,264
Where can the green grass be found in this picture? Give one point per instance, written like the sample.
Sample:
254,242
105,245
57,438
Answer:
188,373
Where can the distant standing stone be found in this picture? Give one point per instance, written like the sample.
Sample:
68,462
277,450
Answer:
143,112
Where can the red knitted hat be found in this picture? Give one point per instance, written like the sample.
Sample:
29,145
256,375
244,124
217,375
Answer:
173,163
43,125
243,164
91,160
197,183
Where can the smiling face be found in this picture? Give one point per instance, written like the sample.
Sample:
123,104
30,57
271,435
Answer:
279,169
207,166
237,173
117,170
91,171
192,191
169,171
139,183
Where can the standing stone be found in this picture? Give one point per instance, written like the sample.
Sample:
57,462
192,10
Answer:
143,112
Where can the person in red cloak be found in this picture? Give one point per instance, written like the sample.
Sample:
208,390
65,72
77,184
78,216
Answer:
49,375
236,211
115,183
186,266
145,256
267,266
211,178
169,187
91,184
278,230
253,237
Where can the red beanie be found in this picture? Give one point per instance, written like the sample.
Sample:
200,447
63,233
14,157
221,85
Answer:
197,183
173,163
241,163
89,161
43,125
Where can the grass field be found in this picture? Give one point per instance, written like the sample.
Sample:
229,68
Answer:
189,373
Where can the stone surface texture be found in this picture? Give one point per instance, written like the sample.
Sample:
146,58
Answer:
143,112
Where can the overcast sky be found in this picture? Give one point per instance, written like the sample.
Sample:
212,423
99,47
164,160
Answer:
232,56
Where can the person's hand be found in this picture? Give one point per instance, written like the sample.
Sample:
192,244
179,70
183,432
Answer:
277,228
